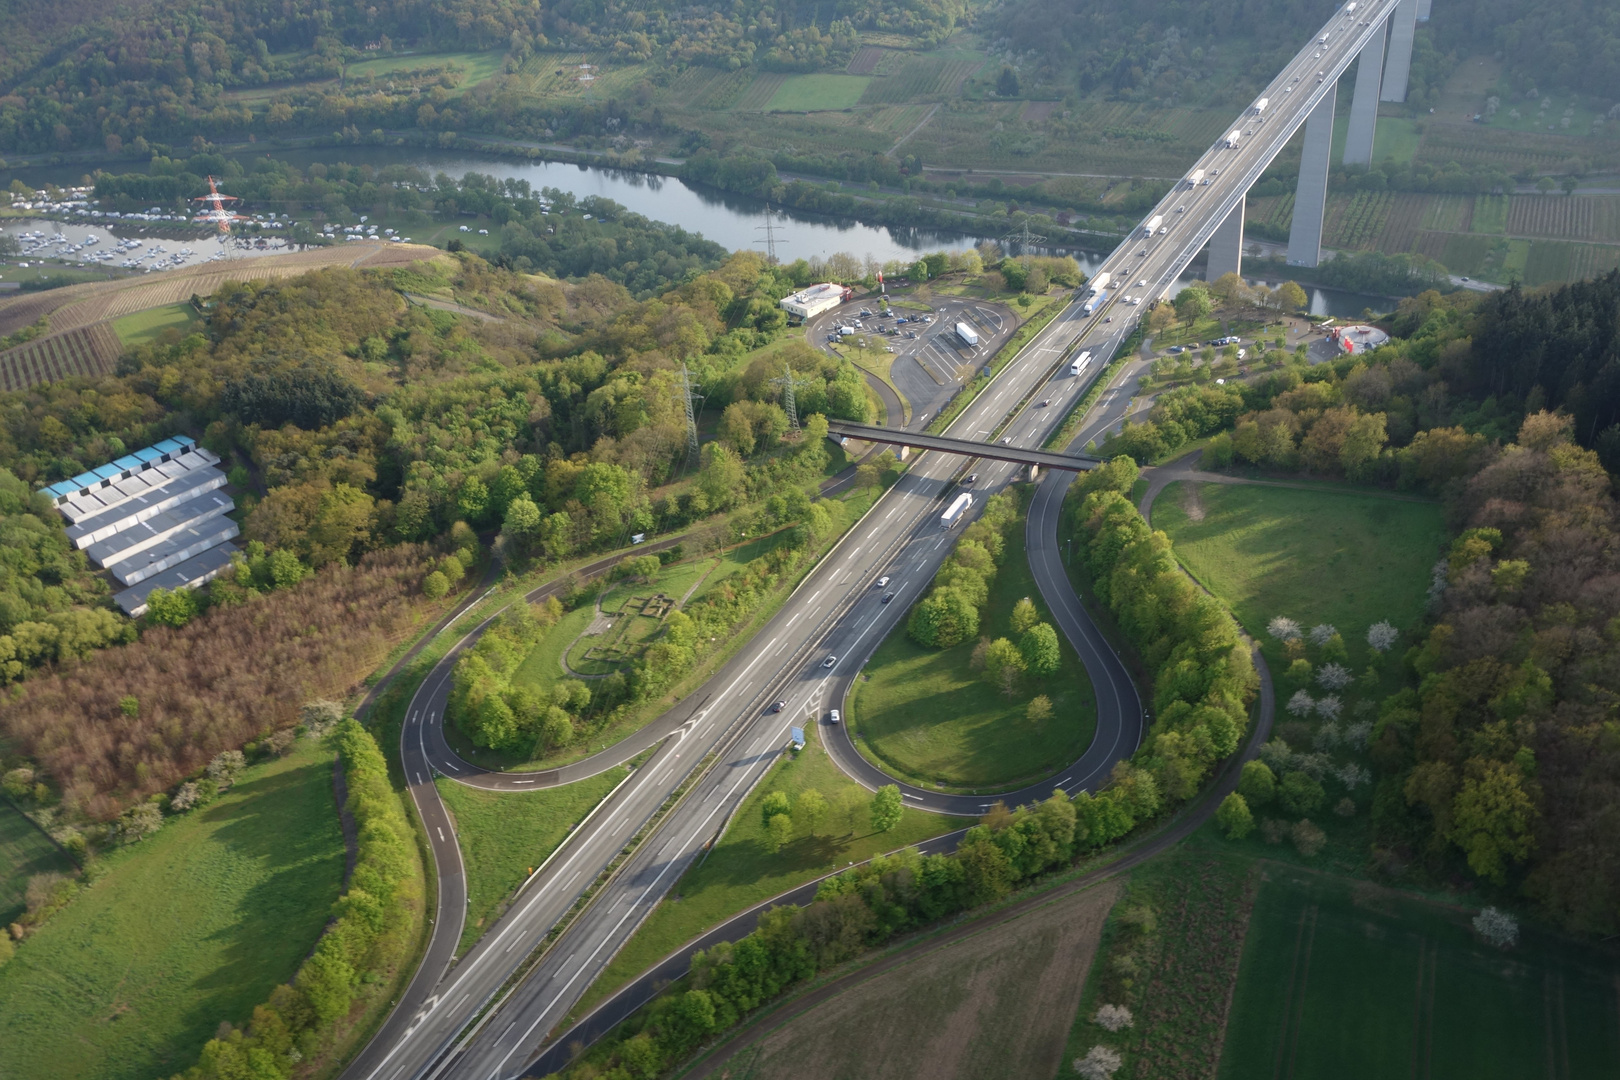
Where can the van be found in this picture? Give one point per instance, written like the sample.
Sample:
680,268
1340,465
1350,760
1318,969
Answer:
1243,354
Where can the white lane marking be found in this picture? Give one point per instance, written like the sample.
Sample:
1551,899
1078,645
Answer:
418,778
441,834
523,781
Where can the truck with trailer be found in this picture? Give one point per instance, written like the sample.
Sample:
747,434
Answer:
1153,224
1194,177
1260,106
1232,139
967,335
1095,302
956,511
1100,282
1079,363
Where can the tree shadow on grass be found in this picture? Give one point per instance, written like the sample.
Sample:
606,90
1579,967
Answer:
287,823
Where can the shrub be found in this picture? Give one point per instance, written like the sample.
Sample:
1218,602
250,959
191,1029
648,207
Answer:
1308,839
435,585
1114,1017
1100,1063
1257,784
1234,818
1299,793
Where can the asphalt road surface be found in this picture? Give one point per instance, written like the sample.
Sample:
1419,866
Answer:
802,656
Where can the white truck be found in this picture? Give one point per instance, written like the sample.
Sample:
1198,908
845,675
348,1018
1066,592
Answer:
1100,282
1153,224
1232,139
956,511
967,335
1197,175
1260,106
1080,363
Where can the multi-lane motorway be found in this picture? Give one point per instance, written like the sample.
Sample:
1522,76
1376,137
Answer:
804,655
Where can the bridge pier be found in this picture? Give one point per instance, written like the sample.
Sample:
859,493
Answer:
1358,142
1226,247
1423,11
1402,27
1310,197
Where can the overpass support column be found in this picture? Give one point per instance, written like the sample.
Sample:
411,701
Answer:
1310,197
1423,11
1402,25
1226,246
1358,142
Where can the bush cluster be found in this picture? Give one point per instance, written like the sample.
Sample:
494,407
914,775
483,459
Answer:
1203,675
949,615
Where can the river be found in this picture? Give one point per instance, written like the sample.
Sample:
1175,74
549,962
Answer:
733,221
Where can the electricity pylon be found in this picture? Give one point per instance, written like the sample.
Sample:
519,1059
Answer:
787,382
1025,240
769,229
688,394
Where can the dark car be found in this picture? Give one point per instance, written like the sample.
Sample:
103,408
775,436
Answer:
779,706
887,597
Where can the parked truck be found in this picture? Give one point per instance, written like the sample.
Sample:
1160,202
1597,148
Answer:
1153,224
956,511
967,335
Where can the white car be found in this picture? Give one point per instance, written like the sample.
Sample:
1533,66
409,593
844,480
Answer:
832,717
830,661
883,581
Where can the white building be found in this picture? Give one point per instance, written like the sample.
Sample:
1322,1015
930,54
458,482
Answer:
809,303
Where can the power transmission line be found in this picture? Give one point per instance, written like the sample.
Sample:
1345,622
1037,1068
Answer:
787,382
1025,240
769,228
688,393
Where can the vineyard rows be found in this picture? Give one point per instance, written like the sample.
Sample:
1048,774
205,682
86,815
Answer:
760,91
84,351
1551,215
865,60
1401,225
1357,221
1449,213
921,77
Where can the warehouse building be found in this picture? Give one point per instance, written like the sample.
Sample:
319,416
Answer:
154,518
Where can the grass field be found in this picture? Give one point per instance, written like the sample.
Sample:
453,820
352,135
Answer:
810,93
505,835
927,716
741,870
147,326
180,932
24,852
995,1005
1333,556
1343,979
475,66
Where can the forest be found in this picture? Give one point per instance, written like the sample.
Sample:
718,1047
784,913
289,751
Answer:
1499,760
380,448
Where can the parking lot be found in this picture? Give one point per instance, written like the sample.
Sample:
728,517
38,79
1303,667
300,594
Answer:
928,362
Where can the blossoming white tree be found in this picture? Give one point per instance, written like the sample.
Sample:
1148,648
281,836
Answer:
1115,1017
1284,629
1329,708
1334,676
1301,704
1100,1063
1497,927
1381,636
1322,633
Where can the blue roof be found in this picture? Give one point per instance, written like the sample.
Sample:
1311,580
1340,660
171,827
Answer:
127,462
65,487
84,480
148,454
169,446
106,472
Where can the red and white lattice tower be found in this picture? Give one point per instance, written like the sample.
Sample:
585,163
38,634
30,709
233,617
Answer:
216,211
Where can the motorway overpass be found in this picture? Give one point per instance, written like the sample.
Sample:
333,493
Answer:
990,451
476,1019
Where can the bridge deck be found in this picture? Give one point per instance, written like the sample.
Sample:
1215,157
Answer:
945,444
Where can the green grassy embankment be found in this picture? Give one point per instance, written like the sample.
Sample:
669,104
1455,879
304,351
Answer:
505,835
926,716
186,929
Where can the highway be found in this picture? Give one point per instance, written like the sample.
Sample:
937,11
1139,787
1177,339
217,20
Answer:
804,656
